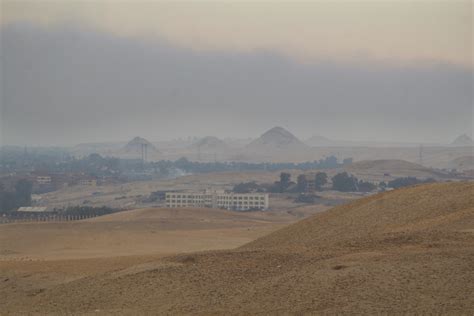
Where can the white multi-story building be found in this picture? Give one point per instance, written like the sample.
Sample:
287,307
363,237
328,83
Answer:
218,199
43,179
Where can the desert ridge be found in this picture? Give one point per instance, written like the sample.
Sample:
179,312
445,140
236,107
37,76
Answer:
387,253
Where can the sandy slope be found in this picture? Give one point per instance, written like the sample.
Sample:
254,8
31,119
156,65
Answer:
136,232
462,163
390,169
409,250
414,210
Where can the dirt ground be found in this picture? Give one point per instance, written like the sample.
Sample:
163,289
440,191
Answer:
137,232
38,256
404,251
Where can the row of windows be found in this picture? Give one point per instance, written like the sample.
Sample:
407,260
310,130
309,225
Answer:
219,203
189,195
239,197
240,203
190,200
239,206
262,198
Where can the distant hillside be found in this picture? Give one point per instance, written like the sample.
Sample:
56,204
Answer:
319,141
175,216
210,143
238,142
105,148
409,211
393,168
385,164
462,163
463,140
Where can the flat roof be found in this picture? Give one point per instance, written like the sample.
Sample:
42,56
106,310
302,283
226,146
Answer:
32,209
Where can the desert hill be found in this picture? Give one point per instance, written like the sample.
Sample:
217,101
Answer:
462,163
210,148
135,232
463,140
447,207
107,149
386,165
404,251
210,143
178,215
392,167
317,141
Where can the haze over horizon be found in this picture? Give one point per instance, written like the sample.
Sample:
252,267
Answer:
92,72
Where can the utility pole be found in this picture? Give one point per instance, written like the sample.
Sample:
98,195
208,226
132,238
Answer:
146,153
143,152
421,155
25,156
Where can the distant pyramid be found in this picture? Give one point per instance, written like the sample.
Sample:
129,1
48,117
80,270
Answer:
135,146
277,138
463,140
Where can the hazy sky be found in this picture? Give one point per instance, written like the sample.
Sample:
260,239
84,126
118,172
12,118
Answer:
81,71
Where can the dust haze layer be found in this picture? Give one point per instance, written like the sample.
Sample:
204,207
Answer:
75,85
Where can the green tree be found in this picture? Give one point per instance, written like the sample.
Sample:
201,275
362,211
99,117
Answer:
320,180
283,184
285,180
344,182
365,186
23,189
246,187
301,183
347,161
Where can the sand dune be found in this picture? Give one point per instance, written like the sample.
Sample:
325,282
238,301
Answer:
404,251
413,210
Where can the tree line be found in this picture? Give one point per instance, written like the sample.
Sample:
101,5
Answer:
343,182
13,199
98,166
203,167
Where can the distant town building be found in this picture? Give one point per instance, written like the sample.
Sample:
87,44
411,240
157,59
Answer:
43,180
36,209
35,198
218,199
88,182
